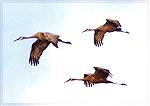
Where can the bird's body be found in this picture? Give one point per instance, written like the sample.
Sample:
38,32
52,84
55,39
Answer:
100,76
42,42
109,26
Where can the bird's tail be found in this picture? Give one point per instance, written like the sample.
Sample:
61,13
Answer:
67,42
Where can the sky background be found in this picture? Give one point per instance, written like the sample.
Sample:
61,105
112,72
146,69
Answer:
125,55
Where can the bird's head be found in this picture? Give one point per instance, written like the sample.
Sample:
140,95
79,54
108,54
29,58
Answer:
70,79
20,38
85,30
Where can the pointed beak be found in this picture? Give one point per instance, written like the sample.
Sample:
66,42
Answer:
84,30
17,39
67,81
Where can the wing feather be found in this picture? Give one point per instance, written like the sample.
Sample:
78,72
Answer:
53,38
98,37
36,51
115,23
101,73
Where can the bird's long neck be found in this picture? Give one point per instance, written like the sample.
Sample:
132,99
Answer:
28,37
73,79
25,37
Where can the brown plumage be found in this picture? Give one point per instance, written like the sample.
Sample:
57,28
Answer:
100,76
109,26
42,42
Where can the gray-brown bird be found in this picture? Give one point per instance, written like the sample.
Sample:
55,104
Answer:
42,42
109,26
100,76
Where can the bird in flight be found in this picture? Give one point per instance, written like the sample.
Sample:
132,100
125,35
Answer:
42,42
100,76
109,26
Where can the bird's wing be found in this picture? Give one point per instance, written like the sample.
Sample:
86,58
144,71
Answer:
115,23
36,51
101,73
98,37
53,38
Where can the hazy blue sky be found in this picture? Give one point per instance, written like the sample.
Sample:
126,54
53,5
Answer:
124,55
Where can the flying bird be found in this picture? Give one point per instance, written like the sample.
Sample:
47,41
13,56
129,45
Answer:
42,42
100,76
109,26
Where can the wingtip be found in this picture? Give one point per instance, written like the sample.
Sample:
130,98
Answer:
95,67
15,40
33,61
67,80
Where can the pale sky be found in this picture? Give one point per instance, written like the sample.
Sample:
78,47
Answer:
125,55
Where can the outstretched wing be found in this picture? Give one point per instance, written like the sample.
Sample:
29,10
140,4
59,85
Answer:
101,73
37,49
98,37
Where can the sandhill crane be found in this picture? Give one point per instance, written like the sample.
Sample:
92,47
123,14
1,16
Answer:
109,26
100,76
42,42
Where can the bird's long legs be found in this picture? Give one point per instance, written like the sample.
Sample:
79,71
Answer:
116,83
67,42
120,30
125,32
